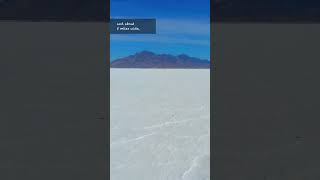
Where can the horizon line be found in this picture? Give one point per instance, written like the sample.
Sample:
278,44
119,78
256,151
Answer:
160,54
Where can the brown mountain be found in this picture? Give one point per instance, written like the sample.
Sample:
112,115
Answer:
147,59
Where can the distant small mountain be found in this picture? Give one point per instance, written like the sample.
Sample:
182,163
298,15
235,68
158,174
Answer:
147,59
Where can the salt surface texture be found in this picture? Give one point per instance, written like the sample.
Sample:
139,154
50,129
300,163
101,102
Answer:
160,124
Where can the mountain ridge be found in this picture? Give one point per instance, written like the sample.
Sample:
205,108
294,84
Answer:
148,59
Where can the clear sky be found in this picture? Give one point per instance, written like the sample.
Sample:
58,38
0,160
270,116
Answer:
183,27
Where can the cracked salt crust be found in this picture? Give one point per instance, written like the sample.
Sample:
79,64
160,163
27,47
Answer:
160,124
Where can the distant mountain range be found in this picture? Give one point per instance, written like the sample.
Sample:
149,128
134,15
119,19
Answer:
147,59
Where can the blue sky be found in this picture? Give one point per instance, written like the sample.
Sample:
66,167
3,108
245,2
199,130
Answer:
183,27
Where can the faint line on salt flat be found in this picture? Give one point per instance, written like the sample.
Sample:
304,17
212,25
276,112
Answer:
191,137
167,123
193,164
132,140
